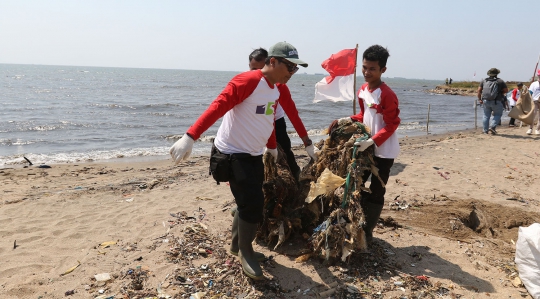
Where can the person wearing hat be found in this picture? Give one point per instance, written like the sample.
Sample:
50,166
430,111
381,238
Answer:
535,89
247,105
512,101
491,93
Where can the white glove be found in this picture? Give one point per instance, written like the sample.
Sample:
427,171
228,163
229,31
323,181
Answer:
312,152
181,149
362,145
273,152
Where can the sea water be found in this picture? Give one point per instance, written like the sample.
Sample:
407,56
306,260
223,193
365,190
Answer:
56,114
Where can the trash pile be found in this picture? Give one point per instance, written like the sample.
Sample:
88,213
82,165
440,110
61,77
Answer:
341,233
204,269
326,202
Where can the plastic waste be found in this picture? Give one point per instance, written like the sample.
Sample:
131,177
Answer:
102,277
528,258
325,183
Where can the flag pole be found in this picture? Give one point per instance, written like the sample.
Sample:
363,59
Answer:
354,86
535,68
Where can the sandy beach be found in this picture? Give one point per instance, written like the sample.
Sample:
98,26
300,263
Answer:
153,229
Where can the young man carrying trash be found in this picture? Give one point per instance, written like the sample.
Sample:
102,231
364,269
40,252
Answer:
379,110
247,104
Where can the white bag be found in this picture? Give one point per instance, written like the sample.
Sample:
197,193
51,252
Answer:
528,258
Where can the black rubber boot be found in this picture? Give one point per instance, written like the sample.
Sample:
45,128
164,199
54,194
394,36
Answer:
248,257
372,212
234,242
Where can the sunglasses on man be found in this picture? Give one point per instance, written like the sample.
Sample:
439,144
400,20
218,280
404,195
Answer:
291,67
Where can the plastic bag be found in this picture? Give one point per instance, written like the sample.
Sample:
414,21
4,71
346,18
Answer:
528,258
325,183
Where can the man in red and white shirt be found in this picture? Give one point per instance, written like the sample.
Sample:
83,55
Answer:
247,105
286,106
379,110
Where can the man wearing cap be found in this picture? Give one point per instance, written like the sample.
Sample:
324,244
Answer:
535,89
491,93
286,107
247,105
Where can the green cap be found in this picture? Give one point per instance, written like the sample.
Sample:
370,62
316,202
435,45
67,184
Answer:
287,51
493,72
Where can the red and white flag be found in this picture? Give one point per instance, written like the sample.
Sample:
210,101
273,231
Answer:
340,84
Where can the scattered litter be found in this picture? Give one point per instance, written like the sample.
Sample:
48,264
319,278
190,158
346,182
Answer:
69,293
71,269
399,205
107,244
303,258
102,277
203,198
30,163
444,175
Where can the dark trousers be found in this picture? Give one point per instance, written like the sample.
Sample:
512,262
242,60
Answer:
285,142
377,189
246,186
512,120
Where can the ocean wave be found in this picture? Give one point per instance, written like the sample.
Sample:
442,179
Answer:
91,156
9,142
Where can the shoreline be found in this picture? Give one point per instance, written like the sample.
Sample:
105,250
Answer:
448,90
160,158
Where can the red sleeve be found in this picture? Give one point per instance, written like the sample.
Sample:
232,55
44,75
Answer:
286,101
390,111
360,116
514,93
272,143
236,91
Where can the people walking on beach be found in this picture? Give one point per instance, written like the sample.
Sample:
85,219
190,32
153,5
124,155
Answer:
379,110
286,106
491,93
535,89
247,105
512,101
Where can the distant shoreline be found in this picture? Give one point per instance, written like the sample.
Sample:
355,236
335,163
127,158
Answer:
465,88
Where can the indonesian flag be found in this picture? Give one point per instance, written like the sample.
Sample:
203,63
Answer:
340,84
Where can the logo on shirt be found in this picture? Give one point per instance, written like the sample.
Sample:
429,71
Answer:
267,109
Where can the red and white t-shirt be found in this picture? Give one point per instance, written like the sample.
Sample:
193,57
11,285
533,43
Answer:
248,103
287,106
516,93
379,110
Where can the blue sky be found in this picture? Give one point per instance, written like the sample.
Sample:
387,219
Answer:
426,39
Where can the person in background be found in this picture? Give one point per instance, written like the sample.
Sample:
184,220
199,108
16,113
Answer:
379,110
247,105
450,81
512,101
491,93
286,106
535,89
